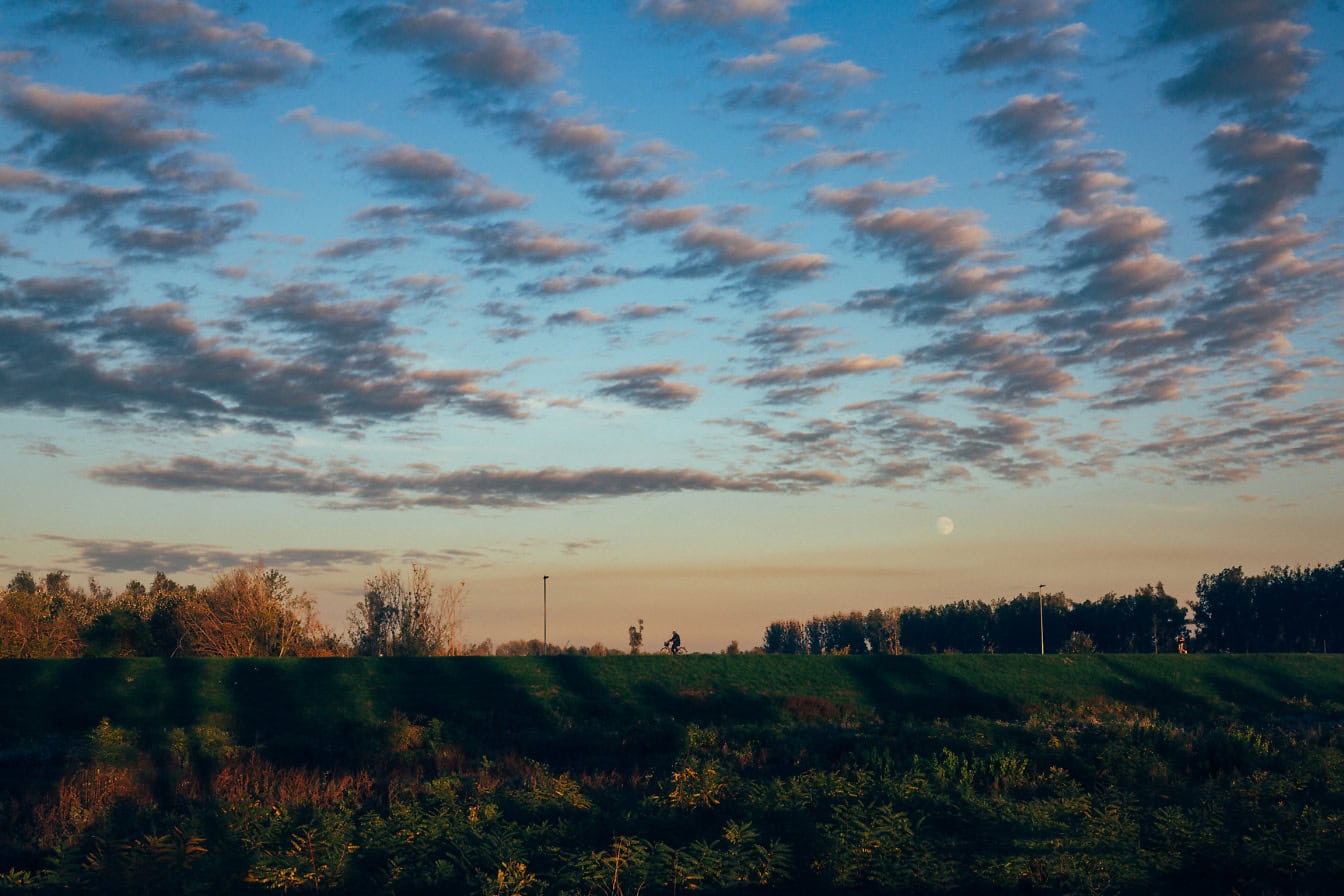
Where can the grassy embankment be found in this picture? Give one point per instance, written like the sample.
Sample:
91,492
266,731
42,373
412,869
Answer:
970,773
559,703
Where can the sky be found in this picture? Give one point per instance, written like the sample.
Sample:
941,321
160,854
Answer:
716,312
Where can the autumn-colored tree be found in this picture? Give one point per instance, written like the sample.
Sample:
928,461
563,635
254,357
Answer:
35,620
249,611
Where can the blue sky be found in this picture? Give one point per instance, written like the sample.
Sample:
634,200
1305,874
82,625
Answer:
710,311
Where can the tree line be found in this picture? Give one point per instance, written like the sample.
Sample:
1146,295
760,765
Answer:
254,611
1281,610
246,612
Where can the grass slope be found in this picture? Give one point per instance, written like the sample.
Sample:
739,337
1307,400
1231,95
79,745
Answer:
559,703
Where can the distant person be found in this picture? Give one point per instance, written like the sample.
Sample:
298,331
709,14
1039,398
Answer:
1180,643
673,644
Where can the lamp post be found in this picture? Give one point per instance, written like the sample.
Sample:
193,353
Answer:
1040,597
545,639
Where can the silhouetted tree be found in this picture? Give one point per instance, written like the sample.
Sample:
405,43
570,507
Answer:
406,619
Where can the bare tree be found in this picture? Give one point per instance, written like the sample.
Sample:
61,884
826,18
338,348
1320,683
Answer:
412,618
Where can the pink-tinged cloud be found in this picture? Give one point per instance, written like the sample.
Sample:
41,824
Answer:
648,386
730,245
227,60
443,185
330,128
828,159
650,220
577,317
85,132
796,383
460,46
1029,123
863,199
716,13
927,240
1022,47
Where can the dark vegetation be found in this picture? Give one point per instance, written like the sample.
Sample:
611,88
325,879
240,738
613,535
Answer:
968,774
255,612
157,764
1280,610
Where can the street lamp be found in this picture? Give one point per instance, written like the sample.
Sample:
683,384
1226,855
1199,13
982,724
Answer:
545,639
1040,597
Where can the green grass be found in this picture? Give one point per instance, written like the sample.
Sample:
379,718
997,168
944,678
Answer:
491,702
986,774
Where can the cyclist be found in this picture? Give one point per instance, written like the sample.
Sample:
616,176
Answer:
673,644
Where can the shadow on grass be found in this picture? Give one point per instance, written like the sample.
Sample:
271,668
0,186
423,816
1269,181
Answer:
924,687
343,712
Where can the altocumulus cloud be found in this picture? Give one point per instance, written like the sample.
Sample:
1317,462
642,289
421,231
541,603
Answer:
481,486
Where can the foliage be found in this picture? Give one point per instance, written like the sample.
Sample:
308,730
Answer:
1147,620
568,774
1279,610
411,618
249,612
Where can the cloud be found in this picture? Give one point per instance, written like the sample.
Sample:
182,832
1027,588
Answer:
792,383
56,297
834,158
754,266
325,128
462,49
1027,122
166,232
1259,66
1271,171
729,246
789,132
1080,180
481,486
994,14
230,60
577,317
588,152
802,43
328,362
649,220
1036,47
566,284
828,440
1238,448
518,241
926,240
854,202
648,386
121,555
776,337
715,13
515,322
1248,54
752,63
45,448
910,448
82,132
344,250
944,295
444,187
647,312
1012,370
1107,234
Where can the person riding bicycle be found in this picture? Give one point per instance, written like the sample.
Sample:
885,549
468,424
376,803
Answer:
673,644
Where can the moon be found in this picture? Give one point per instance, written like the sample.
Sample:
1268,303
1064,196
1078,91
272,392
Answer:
945,525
